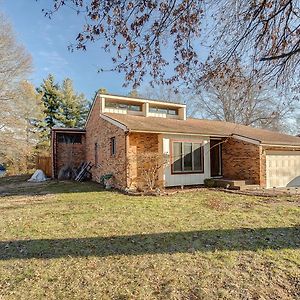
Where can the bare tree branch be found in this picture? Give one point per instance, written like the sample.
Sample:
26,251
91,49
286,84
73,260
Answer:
291,53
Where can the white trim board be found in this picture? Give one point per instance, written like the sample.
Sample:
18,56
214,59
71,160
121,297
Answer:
90,111
297,147
245,139
141,100
284,152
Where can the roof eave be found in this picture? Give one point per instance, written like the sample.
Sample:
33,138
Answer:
265,144
60,129
246,139
178,133
114,122
90,110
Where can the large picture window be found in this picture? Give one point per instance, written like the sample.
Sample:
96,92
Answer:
187,157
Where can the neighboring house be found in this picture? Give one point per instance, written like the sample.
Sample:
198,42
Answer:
119,130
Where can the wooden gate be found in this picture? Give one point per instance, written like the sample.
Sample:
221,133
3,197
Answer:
44,163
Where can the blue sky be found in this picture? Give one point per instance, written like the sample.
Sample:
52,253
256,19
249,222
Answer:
47,41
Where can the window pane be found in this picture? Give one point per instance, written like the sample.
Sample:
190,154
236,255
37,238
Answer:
111,104
118,105
153,109
158,110
173,112
198,157
162,111
113,146
135,107
188,156
177,157
122,105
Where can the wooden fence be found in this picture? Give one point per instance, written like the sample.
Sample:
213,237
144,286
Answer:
44,163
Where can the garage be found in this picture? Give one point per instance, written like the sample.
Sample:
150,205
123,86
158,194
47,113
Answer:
283,169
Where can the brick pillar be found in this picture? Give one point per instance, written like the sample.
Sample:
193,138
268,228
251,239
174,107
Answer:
161,179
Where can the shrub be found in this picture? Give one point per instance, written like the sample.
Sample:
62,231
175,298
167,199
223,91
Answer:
210,183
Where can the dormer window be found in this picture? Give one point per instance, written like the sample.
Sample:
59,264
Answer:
141,107
166,111
120,105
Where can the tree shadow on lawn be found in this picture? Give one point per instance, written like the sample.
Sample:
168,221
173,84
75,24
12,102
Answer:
155,243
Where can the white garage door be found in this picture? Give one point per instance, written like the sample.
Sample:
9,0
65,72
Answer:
283,169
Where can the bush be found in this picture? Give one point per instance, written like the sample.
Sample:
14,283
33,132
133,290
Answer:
210,183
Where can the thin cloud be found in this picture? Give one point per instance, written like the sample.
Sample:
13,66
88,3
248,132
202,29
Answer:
53,58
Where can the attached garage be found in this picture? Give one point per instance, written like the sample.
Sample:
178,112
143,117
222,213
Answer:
283,169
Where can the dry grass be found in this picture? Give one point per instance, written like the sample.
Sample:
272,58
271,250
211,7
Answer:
74,241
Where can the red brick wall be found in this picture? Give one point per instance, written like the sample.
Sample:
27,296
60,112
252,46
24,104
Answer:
139,143
241,160
101,131
129,149
68,154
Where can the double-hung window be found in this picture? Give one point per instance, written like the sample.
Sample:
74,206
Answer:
187,157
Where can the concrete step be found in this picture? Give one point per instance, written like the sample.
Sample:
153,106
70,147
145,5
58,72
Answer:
231,182
236,184
249,187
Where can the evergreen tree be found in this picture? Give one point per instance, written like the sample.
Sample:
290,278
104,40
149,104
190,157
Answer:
63,107
49,91
74,106
50,98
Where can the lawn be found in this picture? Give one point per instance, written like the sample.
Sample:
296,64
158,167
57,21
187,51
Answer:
74,241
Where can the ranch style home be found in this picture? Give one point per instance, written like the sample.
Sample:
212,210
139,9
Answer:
120,130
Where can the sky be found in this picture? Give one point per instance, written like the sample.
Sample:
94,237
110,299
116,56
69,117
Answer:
47,41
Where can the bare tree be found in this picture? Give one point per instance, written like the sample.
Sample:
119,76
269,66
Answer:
137,33
15,62
19,134
294,121
150,164
18,105
31,107
161,92
264,33
296,125
232,94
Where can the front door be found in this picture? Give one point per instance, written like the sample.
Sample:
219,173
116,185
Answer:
215,158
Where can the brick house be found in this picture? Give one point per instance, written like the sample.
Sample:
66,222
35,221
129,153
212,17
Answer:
120,130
